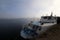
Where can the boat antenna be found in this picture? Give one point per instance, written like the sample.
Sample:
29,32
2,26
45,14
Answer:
51,14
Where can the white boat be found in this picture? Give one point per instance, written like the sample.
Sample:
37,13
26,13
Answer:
36,28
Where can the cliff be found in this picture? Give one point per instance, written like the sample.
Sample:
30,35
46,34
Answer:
52,34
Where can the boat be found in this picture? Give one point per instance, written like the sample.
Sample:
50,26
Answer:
36,28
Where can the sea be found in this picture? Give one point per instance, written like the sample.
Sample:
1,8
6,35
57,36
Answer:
10,28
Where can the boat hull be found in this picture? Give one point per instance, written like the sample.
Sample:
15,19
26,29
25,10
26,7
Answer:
43,29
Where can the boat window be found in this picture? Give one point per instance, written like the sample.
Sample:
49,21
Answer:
49,17
39,21
42,23
29,24
45,17
39,28
49,22
54,17
25,28
35,26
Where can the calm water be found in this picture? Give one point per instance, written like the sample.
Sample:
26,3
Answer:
10,28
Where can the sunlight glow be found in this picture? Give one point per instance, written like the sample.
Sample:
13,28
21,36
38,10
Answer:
54,7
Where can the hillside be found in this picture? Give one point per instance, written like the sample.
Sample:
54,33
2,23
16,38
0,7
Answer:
52,34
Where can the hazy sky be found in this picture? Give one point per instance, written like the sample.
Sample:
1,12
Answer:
28,8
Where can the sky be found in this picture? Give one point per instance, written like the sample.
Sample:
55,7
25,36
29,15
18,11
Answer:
28,8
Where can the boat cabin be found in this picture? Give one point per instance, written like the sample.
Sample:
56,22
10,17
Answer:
48,19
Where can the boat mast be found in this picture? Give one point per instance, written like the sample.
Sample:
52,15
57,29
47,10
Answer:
51,15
